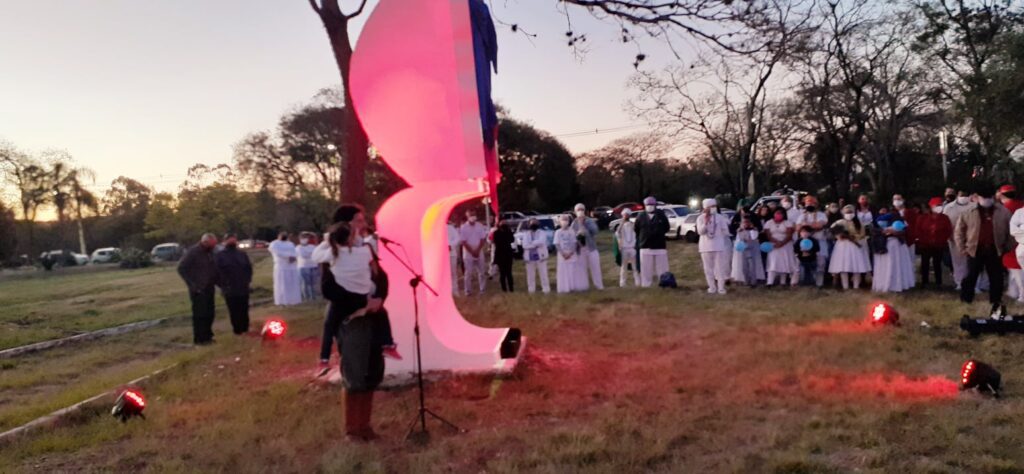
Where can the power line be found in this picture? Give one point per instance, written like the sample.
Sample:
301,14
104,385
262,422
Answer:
598,131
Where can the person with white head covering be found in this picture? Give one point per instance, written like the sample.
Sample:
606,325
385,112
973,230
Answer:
287,289
848,257
590,260
626,236
535,254
651,227
567,247
713,229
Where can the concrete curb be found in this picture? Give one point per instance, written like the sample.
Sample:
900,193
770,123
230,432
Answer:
52,418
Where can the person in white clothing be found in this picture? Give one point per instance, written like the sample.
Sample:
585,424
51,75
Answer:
590,259
848,256
781,259
286,271
1017,232
792,212
567,247
954,210
747,265
625,234
651,227
535,254
817,221
713,229
473,236
454,247
309,271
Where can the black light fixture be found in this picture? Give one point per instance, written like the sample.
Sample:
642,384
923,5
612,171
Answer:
129,403
978,326
980,376
882,313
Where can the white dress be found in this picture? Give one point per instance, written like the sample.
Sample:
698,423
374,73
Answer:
848,257
747,266
781,260
891,270
287,287
566,270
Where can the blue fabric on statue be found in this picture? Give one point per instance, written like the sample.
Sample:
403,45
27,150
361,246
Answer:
485,50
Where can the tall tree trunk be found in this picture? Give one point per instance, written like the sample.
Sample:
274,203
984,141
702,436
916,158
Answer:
356,157
81,233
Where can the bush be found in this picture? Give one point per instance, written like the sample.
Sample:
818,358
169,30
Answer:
135,258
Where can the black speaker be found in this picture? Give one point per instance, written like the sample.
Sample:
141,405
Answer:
510,345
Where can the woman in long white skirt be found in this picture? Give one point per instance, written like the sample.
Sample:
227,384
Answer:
848,258
747,266
890,267
781,259
567,248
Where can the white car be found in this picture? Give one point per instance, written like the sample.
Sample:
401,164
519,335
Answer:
547,226
688,229
676,213
64,258
105,255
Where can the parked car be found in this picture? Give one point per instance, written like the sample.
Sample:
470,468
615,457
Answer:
106,255
688,229
632,206
169,252
776,197
512,218
604,216
676,215
253,244
64,258
547,225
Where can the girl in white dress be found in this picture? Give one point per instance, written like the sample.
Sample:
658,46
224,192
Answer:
890,267
567,248
782,259
848,257
747,266
867,219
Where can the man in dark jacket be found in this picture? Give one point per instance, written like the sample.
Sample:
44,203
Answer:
651,227
199,271
235,277
983,234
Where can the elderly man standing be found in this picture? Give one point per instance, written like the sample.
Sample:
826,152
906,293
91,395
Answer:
472,237
651,227
983,234
234,279
199,270
713,229
953,211
286,271
590,259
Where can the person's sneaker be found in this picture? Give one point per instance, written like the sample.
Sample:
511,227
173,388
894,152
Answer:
322,368
392,353
998,312
712,291
721,291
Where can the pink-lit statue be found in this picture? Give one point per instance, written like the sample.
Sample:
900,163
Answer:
414,85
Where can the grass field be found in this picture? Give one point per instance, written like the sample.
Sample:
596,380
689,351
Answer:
617,381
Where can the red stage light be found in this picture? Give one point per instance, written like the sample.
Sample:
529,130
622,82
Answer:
976,374
129,403
273,329
882,313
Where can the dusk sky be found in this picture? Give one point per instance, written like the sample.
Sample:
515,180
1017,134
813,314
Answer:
145,89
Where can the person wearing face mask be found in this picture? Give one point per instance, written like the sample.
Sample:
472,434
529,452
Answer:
234,277
891,271
933,232
806,248
747,264
817,222
473,236
950,196
308,268
590,259
535,254
454,249
909,214
286,271
568,247
792,212
848,258
781,259
504,255
713,229
625,235
651,227
953,211
983,234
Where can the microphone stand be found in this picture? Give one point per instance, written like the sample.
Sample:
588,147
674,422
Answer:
422,411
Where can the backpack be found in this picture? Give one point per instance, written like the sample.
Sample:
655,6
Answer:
667,280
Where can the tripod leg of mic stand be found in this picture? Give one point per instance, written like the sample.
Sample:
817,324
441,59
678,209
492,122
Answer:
447,423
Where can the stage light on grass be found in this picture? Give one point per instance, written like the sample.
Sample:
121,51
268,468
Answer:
978,375
273,329
882,313
129,403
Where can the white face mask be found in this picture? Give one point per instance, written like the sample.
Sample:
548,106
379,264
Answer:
713,209
303,241
985,202
897,203
787,205
849,216
937,209
581,213
963,200
471,219
565,223
649,208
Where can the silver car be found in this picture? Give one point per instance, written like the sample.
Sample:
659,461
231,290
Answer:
105,255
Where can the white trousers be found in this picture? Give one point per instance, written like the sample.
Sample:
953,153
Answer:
716,269
653,262
532,269
628,260
959,264
590,262
476,265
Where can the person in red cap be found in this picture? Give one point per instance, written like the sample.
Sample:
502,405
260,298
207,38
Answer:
933,232
1007,195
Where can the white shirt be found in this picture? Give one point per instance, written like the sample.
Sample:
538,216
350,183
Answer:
1017,225
816,218
865,217
351,269
714,233
453,238
473,234
777,230
565,241
283,251
627,235
535,241
305,252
